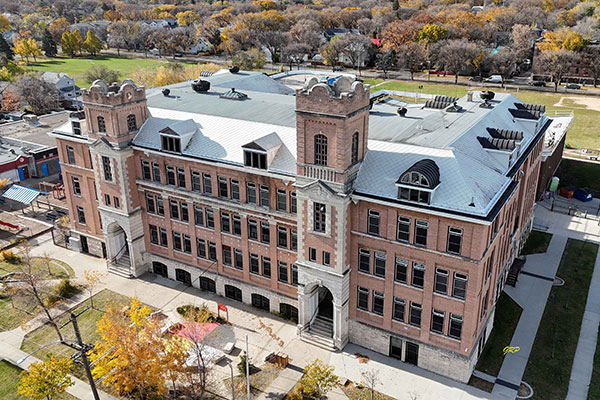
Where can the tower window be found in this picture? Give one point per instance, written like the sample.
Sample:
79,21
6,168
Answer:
101,124
76,125
320,150
354,148
131,123
106,167
319,217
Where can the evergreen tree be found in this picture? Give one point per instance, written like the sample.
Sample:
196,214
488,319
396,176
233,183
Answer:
48,45
5,48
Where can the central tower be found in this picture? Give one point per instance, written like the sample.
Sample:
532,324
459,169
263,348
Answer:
332,130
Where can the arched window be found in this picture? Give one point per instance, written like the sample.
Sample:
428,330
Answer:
320,150
101,124
131,124
355,147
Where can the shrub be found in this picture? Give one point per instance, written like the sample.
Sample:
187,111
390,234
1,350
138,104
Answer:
242,365
198,314
9,256
65,289
101,72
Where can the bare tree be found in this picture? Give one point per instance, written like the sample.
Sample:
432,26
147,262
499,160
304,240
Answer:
385,61
356,48
274,41
294,53
412,56
32,286
40,96
306,32
504,63
591,58
370,380
557,64
453,55
523,38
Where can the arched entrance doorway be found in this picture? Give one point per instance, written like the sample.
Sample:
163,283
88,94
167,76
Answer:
117,248
322,323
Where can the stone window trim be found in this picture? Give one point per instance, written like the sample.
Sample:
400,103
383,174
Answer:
311,207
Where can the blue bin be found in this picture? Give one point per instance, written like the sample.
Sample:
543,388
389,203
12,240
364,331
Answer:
583,194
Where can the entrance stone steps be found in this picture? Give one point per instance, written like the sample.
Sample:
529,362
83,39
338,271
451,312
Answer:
322,326
314,338
121,267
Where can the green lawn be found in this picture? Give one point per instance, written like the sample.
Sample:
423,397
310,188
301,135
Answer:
582,132
87,325
549,367
58,269
537,242
9,379
505,322
594,392
579,174
10,317
76,67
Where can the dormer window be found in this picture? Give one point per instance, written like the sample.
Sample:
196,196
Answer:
101,125
170,143
76,127
418,183
255,159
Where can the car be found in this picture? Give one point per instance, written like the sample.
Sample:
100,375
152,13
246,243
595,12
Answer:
494,79
572,86
537,83
476,79
337,68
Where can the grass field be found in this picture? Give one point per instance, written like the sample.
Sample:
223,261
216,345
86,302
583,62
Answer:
505,322
537,242
87,325
580,174
9,379
582,132
549,367
76,67
58,269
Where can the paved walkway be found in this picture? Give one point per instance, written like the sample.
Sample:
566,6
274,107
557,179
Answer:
581,372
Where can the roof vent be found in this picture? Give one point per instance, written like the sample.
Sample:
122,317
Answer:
233,95
114,87
402,111
487,95
199,85
454,108
234,69
472,203
486,104
166,92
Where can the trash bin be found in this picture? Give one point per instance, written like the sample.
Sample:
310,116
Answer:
583,194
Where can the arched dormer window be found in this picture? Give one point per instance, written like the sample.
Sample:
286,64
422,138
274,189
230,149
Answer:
320,149
131,123
101,124
354,148
419,182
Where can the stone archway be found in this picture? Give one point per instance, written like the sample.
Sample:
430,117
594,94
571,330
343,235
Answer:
117,249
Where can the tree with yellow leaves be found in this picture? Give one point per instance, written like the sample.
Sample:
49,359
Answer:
45,380
4,24
563,39
93,278
133,363
187,17
27,47
92,44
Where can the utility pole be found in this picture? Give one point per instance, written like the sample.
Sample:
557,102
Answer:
247,370
83,348
232,384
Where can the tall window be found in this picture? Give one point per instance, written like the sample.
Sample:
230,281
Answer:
226,255
437,321
326,258
293,202
398,314
441,281
378,301
294,269
319,217
282,274
76,186
238,259
362,302
181,177
264,196
265,232
320,150
418,275
454,240
282,237
170,175
131,123
201,244
401,270
252,229
293,239
403,229
106,167
196,186
251,193
459,286
235,190
80,215
354,148
146,174
281,200
101,124
70,155
210,218
223,187
421,233
254,267
415,314
455,329
156,172
364,261
379,267
207,183
266,266
373,222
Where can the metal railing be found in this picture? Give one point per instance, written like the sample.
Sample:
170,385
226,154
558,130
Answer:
119,253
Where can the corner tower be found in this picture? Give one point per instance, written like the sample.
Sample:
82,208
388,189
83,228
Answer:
114,114
332,130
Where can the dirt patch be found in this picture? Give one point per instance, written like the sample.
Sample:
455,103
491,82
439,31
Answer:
591,103
361,359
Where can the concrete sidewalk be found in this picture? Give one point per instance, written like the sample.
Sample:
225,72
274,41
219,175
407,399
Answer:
581,372
531,293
